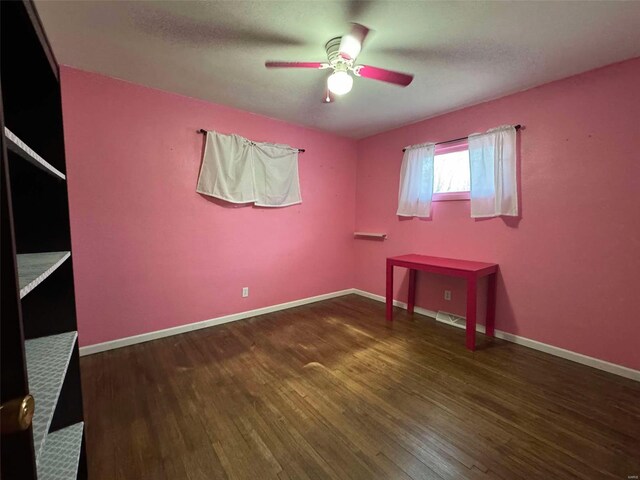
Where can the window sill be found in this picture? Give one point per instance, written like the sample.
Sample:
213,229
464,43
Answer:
449,196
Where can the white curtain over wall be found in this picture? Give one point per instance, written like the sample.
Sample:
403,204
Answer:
492,164
241,171
416,181
275,175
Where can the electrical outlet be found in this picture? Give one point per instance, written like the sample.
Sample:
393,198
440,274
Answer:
447,294
245,291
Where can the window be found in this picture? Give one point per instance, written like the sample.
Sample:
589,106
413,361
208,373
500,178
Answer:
451,179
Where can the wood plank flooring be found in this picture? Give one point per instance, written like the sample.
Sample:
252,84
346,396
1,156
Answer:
331,391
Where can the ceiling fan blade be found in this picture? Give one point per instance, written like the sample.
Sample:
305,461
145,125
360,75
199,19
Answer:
383,75
357,8
294,65
351,43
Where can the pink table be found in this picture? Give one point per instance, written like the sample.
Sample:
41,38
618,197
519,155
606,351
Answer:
469,270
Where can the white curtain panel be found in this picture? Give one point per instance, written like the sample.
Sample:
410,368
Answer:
275,175
237,170
226,170
492,164
416,181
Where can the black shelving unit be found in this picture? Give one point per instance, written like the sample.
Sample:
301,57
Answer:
39,345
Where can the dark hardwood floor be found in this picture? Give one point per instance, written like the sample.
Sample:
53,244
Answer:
329,390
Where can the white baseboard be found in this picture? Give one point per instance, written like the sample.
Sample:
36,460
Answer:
543,347
573,356
526,342
167,332
397,303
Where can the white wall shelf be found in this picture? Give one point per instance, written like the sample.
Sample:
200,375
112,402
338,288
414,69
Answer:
370,235
61,454
34,268
47,363
19,147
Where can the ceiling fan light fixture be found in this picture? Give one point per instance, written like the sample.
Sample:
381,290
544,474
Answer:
340,82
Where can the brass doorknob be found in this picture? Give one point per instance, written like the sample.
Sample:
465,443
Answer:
16,415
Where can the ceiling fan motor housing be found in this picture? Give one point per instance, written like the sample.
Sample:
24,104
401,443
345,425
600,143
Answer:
333,51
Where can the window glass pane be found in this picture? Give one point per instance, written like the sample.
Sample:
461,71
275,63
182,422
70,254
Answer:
451,172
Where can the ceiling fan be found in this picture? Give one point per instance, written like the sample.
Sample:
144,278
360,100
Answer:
342,53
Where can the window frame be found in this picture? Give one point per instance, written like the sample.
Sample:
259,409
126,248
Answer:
451,196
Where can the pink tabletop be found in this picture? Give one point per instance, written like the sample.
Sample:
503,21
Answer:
465,265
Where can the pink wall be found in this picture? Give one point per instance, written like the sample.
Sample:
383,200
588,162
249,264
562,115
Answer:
569,266
150,253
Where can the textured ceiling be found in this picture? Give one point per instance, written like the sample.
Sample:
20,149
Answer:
461,53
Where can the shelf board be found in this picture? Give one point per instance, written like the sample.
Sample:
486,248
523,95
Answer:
19,147
34,268
61,454
47,362
379,236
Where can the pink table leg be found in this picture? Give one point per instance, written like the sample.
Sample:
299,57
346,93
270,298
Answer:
389,291
472,294
412,290
491,305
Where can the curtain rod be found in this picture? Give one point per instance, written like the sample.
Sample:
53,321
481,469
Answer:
517,127
202,130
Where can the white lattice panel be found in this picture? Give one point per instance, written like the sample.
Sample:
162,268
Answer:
22,149
47,362
34,268
61,454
